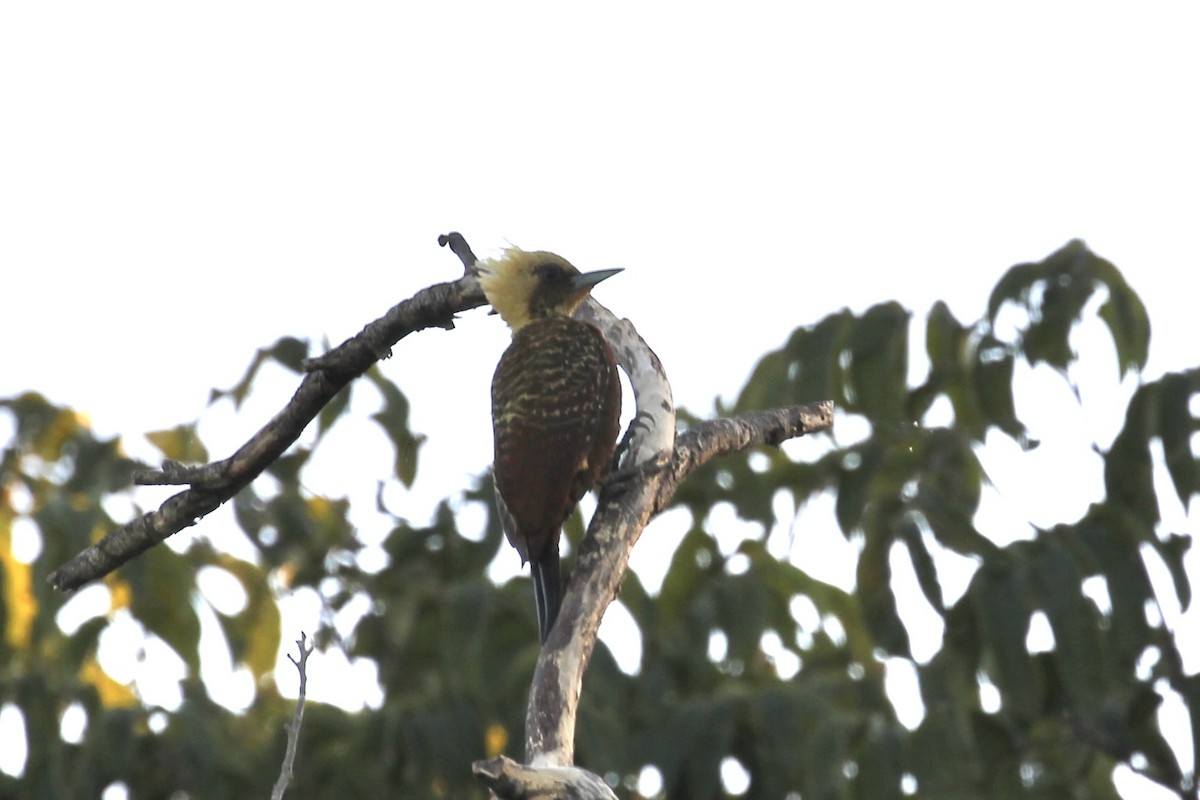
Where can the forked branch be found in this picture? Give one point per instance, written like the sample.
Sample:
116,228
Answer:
623,511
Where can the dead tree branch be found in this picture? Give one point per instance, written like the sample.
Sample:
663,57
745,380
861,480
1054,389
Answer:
623,511
213,484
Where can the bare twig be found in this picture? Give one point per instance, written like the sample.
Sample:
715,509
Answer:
289,758
458,245
213,484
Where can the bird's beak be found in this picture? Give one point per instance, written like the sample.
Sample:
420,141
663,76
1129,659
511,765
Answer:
589,279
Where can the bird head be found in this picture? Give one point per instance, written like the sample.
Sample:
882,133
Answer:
524,286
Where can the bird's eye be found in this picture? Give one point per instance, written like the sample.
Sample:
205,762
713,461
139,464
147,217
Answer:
548,272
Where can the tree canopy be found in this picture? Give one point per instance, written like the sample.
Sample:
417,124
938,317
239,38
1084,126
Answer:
455,652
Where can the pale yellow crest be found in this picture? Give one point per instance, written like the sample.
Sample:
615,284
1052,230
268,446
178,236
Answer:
508,282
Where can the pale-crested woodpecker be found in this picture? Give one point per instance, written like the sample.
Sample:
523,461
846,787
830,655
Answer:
556,404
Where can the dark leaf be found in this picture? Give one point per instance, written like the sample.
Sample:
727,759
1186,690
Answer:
334,410
876,595
254,632
877,346
923,565
393,418
880,760
287,351
1083,663
1111,540
160,585
1173,549
997,596
992,375
1125,316
803,371
855,469
695,741
1128,466
1176,426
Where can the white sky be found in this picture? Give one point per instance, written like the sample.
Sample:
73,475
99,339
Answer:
180,185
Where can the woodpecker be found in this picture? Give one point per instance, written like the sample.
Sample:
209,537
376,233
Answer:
556,404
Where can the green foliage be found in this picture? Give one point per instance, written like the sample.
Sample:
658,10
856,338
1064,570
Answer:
455,653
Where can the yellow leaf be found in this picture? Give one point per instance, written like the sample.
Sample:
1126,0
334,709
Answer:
112,694
495,740
19,599
320,508
120,591
65,426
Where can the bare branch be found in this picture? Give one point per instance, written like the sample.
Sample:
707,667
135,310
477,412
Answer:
553,701
213,484
658,462
458,246
289,759
706,440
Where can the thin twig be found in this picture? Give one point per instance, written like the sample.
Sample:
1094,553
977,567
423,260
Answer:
289,758
458,245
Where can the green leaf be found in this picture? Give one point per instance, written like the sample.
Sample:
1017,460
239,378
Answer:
1054,293
1111,540
1176,426
742,613
692,564
180,443
875,593
694,742
1173,548
878,349
823,752
1015,286
945,344
856,468
288,351
334,410
998,743
161,584
1128,465
923,564
943,755
992,382
804,370
287,467
254,632
997,596
393,418
1126,318
1083,663
945,339
35,418
880,759
1140,728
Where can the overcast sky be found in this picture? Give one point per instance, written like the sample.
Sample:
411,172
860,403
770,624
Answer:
181,184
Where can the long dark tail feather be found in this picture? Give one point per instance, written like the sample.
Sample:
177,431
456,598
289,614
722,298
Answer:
547,591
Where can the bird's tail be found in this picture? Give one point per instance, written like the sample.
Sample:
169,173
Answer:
547,590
